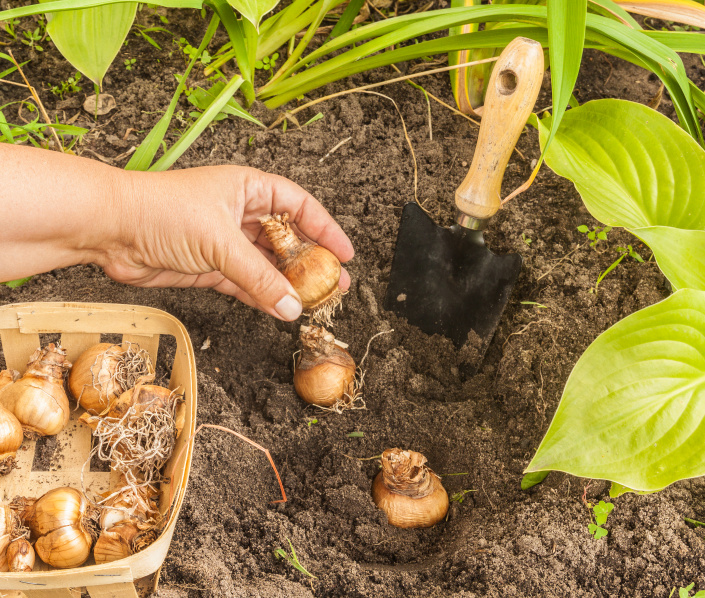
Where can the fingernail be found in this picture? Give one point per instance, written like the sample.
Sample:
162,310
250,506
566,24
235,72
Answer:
289,308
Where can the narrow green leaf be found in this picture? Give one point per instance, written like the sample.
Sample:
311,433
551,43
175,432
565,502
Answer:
356,435
142,158
566,37
91,38
62,5
205,119
13,284
633,409
532,479
346,19
5,129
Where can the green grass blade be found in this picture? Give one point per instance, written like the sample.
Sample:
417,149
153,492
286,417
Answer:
5,129
461,79
205,119
346,20
62,5
145,153
680,41
566,38
608,8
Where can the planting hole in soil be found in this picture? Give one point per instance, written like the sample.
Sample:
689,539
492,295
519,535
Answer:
478,426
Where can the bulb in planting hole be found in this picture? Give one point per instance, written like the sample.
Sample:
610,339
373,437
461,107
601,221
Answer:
63,523
38,399
408,491
325,371
103,372
312,270
20,556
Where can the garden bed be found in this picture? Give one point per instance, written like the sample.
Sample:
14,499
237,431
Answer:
499,541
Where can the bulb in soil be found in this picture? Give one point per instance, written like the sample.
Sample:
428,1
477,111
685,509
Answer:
38,399
408,491
325,371
312,270
63,523
105,371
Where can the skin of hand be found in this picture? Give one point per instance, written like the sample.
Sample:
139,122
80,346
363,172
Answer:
196,227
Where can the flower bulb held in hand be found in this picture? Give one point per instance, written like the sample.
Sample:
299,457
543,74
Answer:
38,399
312,270
408,491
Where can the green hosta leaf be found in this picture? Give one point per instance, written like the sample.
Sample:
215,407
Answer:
680,254
636,168
616,490
633,409
91,38
632,166
253,10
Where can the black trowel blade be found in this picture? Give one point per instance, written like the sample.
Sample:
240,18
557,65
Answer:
446,281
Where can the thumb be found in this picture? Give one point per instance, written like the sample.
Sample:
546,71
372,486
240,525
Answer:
245,266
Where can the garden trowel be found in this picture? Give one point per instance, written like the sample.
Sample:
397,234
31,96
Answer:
445,280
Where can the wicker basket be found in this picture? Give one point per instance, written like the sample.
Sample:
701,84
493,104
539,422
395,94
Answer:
81,326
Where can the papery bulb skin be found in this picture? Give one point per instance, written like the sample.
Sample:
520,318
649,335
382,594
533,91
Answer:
138,505
406,489
325,371
312,270
20,556
7,377
63,523
11,436
116,543
38,399
105,371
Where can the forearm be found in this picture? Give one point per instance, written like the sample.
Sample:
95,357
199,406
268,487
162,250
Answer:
57,210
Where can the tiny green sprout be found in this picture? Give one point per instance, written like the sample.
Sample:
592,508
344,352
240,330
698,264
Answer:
526,239
624,251
69,86
129,63
32,38
312,421
595,235
459,497
285,125
292,559
534,303
356,435
251,140
685,592
601,511
267,63
313,119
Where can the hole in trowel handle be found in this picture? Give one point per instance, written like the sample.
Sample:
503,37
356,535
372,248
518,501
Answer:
507,82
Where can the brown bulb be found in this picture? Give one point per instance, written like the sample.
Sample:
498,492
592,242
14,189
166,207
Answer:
11,437
325,371
20,556
63,523
103,372
312,270
408,491
38,399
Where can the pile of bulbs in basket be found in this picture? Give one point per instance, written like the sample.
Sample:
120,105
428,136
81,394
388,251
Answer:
325,374
134,424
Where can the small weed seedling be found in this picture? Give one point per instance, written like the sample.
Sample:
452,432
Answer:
312,421
9,27
267,64
459,497
625,251
129,63
69,86
32,39
527,240
685,592
601,511
595,235
190,52
292,559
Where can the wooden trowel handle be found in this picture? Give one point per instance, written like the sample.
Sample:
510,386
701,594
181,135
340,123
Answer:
511,95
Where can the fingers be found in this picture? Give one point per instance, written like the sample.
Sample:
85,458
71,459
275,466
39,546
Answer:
247,268
309,215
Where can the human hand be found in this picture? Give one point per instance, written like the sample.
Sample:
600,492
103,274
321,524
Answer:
199,227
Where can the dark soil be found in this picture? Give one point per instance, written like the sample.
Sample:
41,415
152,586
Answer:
497,541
